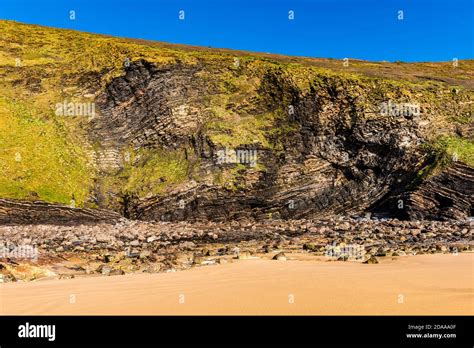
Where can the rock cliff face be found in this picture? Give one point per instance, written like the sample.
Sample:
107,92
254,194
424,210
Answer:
207,136
15,212
339,156
145,108
447,195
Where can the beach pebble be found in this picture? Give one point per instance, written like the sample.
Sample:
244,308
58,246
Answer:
371,260
280,257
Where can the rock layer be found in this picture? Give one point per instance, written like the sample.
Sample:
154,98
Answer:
449,194
340,157
22,212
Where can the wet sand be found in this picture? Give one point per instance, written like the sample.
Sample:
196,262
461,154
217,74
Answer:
440,284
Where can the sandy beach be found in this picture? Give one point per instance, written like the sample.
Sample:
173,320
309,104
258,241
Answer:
441,284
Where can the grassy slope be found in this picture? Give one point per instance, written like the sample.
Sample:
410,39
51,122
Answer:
55,160
36,160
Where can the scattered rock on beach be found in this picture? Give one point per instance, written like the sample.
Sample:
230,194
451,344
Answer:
371,260
280,257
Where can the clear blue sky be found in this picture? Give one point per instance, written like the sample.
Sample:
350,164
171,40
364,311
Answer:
432,30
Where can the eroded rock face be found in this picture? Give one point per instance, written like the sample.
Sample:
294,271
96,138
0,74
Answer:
21,212
330,151
329,138
147,107
447,195
340,158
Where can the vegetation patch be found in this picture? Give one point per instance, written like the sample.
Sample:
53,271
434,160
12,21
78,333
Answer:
445,150
38,159
154,171
451,148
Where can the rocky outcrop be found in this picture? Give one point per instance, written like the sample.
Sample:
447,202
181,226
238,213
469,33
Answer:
447,195
38,212
326,150
341,155
149,106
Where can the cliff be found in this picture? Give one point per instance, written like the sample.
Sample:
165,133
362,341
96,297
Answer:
156,131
